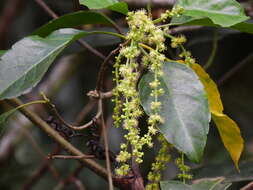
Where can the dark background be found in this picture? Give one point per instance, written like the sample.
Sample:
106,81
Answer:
231,69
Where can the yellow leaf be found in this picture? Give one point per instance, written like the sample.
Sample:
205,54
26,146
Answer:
230,135
211,89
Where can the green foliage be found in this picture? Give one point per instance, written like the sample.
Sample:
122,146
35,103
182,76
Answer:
187,20
224,13
201,185
4,117
179,96
185,108
113,5
227,171
25,64
2,52
73,20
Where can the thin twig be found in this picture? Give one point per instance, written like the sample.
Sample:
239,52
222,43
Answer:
106,144
69,179
102,70
103,67
86,109
11,9
51,13
53,109
213,52
38,173
70,157
47,8
92,165
76,5
182,29
234,70
78,184
248,186
41,153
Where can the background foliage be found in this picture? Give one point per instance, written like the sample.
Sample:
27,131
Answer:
19,161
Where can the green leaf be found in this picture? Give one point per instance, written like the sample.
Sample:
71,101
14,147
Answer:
73,20
224,13
2,52
174,185
120,7
113,5
203,184
23,66
187,20
4,117
185,108
227,171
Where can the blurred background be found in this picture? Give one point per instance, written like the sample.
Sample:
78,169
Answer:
24,148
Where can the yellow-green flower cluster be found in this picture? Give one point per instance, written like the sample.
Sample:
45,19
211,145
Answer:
187,57
176,11
184,169
116,110
163,157
177,41
142,31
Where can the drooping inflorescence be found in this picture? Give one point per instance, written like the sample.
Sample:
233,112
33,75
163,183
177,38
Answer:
145,47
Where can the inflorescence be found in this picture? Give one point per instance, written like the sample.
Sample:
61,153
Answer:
145,47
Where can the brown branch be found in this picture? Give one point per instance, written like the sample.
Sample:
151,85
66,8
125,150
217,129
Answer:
10,11
234,70
51,13
76,5
78,184
70,157
56,113
103,67
154,3
41,153
34,118
181,29
248,186
86,109
46,8
69,179
106,144
39,172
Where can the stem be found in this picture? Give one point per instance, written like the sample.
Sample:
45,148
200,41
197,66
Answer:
34,118
106,144
182,157
52,107
214,50
31,103
149,8
110,33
